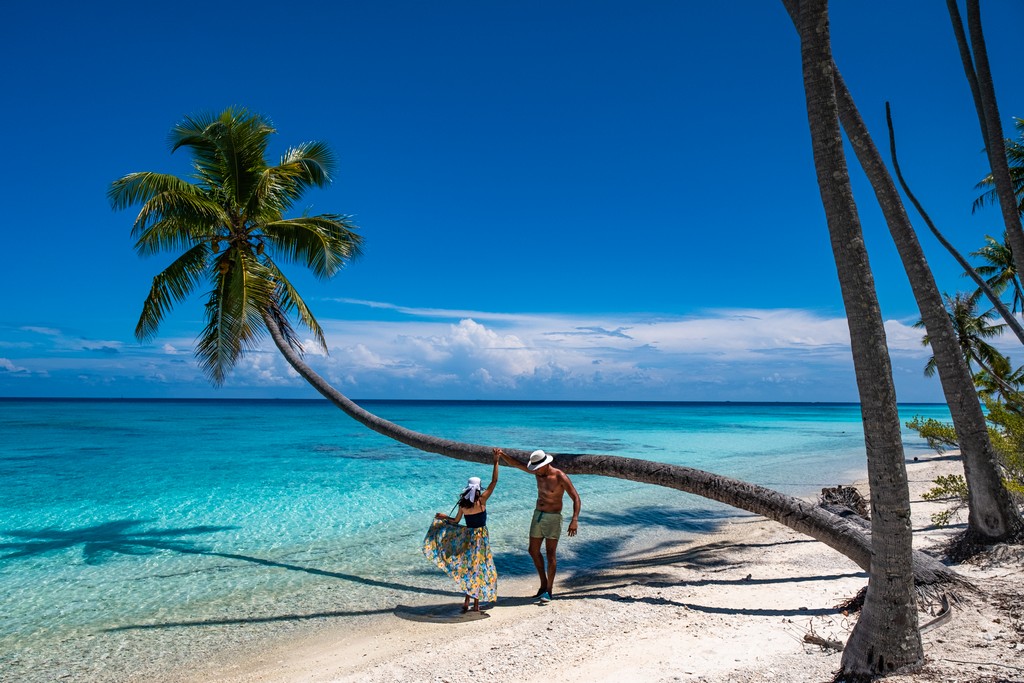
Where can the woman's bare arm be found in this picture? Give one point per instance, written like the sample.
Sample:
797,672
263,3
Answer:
494,476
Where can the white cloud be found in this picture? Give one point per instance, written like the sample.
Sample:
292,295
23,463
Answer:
7,365
728,354
48,331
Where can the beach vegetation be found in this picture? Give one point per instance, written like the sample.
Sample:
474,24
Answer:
951,488
1006,431
973,330
939,435
993,516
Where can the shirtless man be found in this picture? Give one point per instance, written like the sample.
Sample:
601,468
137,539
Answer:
552,484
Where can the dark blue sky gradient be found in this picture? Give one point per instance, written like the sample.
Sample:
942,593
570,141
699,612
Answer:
644,160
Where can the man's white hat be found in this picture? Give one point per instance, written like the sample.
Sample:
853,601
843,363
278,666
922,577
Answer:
538,459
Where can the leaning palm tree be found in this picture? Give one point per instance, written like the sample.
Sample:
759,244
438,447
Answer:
238,201
228,220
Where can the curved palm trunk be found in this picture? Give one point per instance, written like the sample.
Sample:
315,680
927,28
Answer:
979,76
846,537
886,638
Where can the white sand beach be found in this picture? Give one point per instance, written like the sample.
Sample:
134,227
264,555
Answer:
732,606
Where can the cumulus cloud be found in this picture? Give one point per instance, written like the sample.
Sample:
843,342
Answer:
726,354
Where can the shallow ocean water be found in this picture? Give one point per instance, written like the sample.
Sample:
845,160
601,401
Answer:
127,515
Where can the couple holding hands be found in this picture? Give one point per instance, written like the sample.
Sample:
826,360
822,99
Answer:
464,552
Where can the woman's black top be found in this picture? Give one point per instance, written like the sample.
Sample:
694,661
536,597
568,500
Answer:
476,521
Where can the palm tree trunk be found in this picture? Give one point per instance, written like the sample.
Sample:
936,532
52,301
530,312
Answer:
886,638
979,76
840,534
992,516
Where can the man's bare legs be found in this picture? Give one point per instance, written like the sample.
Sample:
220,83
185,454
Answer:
538,562
547,579
551,545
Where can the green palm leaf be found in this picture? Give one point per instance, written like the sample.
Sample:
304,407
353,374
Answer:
234,313
289,300
171,286
324,244
1015,158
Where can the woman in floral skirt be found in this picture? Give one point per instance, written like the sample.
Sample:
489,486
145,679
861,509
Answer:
464,552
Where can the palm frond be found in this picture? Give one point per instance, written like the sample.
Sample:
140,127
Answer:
171,286
137,188
289,299
323,243
302,167
242,291
196,210
311,163
228,151
172,234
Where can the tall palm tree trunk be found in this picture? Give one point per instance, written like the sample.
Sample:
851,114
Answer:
886,638
992,515
979,76
848,538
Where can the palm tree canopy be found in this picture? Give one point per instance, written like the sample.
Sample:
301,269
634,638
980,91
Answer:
228,226
999,269
971,329
1015,158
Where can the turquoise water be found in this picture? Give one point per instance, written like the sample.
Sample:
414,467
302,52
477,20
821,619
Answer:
124,515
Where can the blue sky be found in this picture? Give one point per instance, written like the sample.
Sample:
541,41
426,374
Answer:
560,200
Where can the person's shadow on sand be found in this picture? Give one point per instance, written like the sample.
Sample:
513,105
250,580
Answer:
446,613
451,613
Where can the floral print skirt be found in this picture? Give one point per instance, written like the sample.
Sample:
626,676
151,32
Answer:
465,555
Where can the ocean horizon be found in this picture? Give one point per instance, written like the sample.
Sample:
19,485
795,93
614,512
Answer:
126,519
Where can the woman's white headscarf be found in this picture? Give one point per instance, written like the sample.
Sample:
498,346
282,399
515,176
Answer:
472,491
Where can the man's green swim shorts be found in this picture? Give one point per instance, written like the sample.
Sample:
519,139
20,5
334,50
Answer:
546,525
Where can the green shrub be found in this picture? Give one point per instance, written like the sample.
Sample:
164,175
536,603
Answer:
951,487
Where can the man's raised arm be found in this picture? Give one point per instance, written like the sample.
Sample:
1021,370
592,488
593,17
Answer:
512,461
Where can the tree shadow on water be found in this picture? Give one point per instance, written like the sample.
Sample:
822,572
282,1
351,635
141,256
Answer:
120,537
124,537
